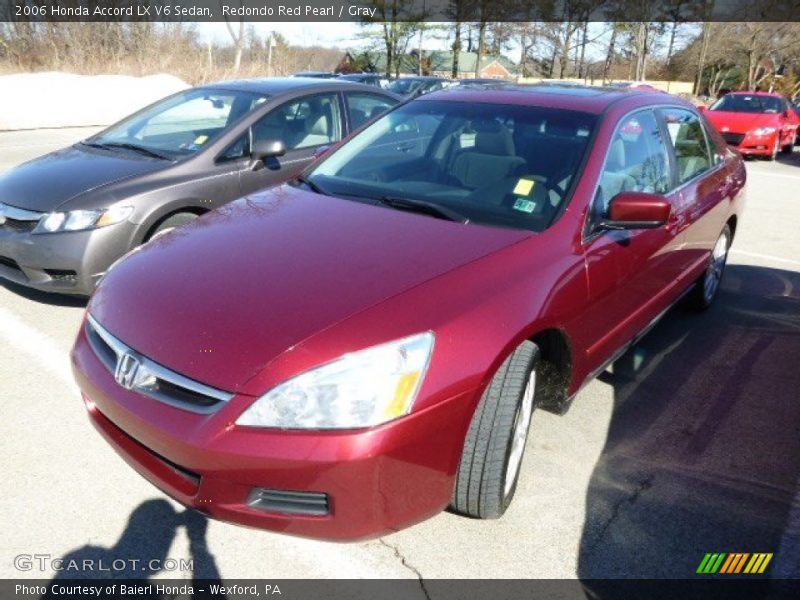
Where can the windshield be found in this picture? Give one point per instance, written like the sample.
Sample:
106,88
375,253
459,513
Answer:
404,86
744,103
496,164
181,125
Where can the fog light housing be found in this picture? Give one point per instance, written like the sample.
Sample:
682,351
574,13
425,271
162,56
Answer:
313,504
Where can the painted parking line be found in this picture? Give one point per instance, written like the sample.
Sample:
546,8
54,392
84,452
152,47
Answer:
751,171
767,257
46,353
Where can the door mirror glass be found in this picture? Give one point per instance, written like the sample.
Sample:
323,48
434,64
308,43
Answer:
267,149
322,150
637,210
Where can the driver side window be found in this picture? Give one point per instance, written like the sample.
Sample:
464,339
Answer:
637,161
304,123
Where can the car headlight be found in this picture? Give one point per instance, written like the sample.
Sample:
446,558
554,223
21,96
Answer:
78,220
764,131
361,389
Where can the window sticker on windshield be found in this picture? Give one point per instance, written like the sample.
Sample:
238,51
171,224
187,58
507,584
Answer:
466,140
524,205
200,139
524,187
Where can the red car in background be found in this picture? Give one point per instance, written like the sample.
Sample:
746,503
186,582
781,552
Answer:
352,352
755,123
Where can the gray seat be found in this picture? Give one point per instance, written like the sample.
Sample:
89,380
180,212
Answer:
317,132
614,178
491,159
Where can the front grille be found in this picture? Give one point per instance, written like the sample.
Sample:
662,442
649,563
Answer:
62,275
150,378
733,139
15,226
18,220
10,263
293,503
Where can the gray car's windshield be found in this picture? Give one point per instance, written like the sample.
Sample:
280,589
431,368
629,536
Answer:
181,125
745,103
497,164
405,86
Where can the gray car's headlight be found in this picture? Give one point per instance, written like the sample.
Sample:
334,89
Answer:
78,220
361,389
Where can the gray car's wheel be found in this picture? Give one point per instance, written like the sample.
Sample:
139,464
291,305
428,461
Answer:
170,223
707,287
495,443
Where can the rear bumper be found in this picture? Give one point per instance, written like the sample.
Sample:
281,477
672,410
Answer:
374,481
65,262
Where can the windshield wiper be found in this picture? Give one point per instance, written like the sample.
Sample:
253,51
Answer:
134,147
314,187
423,206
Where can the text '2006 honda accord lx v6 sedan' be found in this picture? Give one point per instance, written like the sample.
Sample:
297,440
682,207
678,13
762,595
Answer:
355,350
66,217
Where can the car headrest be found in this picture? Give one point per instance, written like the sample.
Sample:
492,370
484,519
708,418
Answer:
492,137
616,155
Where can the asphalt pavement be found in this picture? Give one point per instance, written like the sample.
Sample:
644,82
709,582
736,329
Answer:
689,444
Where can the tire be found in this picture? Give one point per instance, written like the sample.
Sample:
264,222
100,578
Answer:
787,149
169,224
707,286
490,462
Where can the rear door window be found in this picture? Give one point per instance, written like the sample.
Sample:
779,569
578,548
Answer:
363,107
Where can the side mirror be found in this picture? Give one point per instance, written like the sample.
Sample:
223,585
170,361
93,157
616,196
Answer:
637,210
321,151
267,149
702,108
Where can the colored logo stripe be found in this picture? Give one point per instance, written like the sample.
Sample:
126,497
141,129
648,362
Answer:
758,563
734,562
710,563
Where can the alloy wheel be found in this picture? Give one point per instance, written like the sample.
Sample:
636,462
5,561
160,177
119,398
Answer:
522,422
716,266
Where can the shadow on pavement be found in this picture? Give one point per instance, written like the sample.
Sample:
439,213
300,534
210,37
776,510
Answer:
44,297
703,449
142,550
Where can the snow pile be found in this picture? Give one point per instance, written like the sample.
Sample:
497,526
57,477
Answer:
37,100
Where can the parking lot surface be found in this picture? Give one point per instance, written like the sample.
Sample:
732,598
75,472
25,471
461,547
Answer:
689,444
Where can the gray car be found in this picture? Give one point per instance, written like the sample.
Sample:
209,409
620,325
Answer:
66,217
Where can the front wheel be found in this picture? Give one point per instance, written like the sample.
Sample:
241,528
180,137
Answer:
706,288
170,223
495,443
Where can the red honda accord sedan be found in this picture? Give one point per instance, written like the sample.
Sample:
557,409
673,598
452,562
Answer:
353,351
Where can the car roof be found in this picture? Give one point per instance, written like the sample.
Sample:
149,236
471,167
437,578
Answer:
274,86
421,78
744,93
593,99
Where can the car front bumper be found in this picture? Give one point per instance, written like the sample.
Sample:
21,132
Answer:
757,145
66,262
337,485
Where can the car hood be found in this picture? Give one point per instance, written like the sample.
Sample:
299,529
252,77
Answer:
219,298
740,122
47,182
